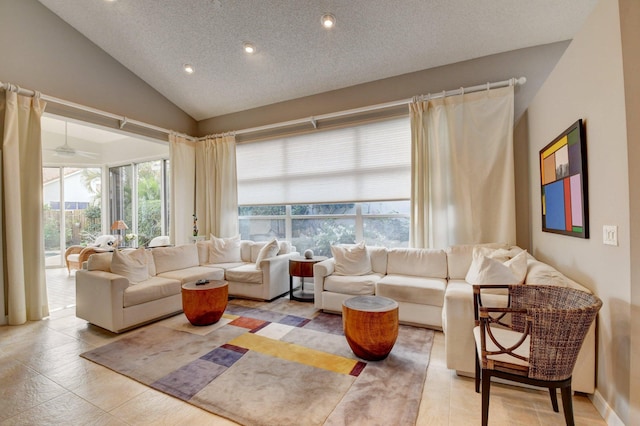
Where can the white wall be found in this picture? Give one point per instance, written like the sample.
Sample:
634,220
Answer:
588,83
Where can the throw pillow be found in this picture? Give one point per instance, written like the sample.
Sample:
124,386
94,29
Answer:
131,264
225,250
351,260
267,251
485,270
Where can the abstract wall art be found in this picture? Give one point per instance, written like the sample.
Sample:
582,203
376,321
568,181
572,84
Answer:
563,179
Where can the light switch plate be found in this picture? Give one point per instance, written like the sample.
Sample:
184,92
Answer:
610,235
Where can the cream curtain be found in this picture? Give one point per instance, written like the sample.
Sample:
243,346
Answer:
216,186
21,213
182,158
463,188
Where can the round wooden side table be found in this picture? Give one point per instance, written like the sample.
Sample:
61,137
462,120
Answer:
302,267
205,304
370,325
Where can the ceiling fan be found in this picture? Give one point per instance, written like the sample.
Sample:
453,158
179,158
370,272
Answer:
66,150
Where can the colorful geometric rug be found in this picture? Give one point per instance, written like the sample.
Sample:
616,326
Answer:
268,367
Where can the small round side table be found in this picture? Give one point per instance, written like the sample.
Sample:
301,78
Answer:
302,267
205,304
370,325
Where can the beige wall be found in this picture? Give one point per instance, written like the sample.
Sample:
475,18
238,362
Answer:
41,52
630,17
588,83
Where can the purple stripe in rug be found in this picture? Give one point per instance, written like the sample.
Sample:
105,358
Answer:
358,368
225,355
189,379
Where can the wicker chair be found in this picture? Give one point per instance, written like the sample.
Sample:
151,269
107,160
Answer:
534,340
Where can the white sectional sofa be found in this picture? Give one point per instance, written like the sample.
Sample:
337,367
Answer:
415,278
150,287
431,289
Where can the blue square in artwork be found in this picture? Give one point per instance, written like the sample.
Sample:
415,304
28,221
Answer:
554,201
222,356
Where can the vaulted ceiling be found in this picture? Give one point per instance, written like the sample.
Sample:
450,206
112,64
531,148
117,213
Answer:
296,56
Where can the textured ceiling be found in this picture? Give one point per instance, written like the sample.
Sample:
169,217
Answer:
296,56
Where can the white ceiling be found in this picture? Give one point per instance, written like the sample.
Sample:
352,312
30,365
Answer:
296,57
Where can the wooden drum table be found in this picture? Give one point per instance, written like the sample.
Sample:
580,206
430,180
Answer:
370,325
204,304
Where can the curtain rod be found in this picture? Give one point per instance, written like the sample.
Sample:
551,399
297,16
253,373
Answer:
122,119
314,119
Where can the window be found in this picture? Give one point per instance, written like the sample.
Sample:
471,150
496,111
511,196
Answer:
318,226
140,191
367,162
325,188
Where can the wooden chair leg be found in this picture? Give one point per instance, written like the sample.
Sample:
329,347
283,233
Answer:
567,405
477,373
553,393
486,389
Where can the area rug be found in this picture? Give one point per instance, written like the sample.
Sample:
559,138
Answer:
268,367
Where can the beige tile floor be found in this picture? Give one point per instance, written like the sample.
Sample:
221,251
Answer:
43,381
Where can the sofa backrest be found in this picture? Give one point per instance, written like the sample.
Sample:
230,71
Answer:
459,258
378,256
430,263
249,250
174,258
102,262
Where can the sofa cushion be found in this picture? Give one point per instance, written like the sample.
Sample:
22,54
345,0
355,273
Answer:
459,258
224,250
204,246
285,247
486,270
100,262
411,289
173,258
351,259
352,284
151,289
417,262
267,251
246,273
131,264
543,274
194,273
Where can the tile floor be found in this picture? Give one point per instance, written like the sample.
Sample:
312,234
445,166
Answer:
45,382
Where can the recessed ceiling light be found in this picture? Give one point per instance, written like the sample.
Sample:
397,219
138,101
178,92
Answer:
188,68
249,47
328,20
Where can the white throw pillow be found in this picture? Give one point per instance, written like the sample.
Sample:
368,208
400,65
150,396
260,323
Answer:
486,270
351,260
131,264
225,250
268,251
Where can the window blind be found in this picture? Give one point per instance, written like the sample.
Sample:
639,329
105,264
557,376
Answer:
367,162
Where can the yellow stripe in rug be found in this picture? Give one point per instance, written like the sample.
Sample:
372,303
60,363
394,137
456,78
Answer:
296,353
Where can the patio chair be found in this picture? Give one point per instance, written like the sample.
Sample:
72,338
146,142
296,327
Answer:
75,255
534,340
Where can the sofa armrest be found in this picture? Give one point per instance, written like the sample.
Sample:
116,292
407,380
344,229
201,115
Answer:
100,298
320,271
275,274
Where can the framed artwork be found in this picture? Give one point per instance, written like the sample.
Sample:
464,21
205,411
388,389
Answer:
563,179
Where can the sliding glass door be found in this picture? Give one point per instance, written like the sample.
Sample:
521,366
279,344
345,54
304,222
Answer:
72,213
